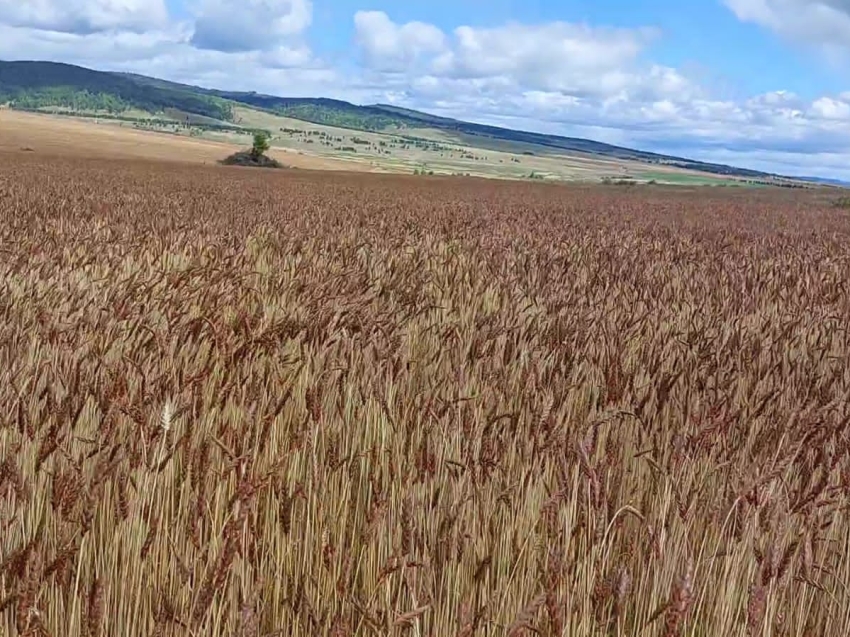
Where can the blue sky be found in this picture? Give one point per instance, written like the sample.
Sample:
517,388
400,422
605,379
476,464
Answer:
757,83
707,33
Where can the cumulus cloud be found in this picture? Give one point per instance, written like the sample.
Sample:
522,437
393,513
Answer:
249,25
543,54
388,46
100,50
829,108
262,71
84,16
557,56
821,23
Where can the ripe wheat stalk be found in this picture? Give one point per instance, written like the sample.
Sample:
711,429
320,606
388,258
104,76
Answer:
236,404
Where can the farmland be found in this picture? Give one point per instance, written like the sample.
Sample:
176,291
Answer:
169,137
246,402
80,138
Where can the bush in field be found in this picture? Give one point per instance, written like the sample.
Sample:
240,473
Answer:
261,144
256,157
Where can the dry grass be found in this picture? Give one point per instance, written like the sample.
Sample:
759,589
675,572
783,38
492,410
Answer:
242,403
53,135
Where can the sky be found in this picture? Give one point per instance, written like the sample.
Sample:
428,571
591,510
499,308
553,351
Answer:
762,84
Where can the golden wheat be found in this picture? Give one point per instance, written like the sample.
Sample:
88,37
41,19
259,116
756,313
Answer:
241,403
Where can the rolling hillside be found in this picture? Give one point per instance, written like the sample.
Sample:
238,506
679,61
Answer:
35,85
381,117
31,85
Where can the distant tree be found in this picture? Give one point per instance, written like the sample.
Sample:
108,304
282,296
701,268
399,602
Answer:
261,144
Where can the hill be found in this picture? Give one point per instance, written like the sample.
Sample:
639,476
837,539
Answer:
37,85
382,117
34,85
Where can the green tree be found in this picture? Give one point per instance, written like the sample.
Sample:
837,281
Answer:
261,143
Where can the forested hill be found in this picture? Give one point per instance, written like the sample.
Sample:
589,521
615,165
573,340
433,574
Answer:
35,85
40,84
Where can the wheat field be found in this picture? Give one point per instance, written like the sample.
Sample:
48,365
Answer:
254,403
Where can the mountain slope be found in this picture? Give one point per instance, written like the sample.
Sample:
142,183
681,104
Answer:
33,85
39,84
382,117
401,118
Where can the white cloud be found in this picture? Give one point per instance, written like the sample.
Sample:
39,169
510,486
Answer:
831,108
391,47
262,71
547,55
814,164
556,56
84,16
100,50
249,25
822,23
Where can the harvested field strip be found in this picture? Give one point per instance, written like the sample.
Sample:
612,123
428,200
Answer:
50,136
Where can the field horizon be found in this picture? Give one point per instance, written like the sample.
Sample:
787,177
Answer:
372,138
